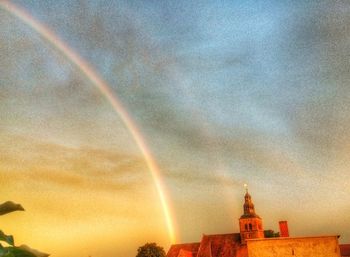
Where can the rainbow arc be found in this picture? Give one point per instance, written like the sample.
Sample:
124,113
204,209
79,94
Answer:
90,73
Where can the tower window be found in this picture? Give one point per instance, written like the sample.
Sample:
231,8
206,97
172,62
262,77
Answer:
246,226
250,226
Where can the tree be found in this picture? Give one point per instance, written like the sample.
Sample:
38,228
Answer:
270,233
150,250
11,250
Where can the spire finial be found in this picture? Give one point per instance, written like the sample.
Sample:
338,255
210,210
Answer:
246,187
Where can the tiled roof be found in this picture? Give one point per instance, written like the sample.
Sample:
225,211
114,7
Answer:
183,250
223,245
185,253
344,250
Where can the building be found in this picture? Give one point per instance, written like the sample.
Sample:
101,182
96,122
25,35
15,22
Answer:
320,246
345,250
251,242
223,245
250,224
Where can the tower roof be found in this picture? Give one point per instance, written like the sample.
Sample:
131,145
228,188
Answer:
248,207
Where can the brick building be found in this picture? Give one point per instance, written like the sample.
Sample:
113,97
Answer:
250,241
345,250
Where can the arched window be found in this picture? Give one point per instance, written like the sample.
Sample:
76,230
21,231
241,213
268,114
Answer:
246,226
250,226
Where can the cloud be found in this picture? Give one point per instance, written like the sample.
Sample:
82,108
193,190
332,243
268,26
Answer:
176,95
52,164
315,62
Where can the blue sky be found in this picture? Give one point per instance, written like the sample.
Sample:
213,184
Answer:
224,92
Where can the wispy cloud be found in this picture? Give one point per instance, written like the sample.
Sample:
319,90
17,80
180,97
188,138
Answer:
48,163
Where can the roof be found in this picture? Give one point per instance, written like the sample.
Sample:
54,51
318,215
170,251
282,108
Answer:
223,245
183,250
250,215
344,250
288,238
185,253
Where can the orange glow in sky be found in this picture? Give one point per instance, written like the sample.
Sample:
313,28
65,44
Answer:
127,122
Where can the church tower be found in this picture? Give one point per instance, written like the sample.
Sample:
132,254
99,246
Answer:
250,224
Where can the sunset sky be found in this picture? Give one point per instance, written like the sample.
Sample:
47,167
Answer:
222,92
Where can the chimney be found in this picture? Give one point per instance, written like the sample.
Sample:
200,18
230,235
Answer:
284,228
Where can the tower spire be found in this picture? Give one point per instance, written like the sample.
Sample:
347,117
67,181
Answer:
248,207
250,223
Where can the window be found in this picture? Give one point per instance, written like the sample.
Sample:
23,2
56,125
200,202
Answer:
250,226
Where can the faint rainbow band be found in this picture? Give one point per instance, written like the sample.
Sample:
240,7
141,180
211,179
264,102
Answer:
106,90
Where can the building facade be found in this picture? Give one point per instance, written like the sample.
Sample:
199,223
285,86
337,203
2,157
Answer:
320,246
250,224
250,241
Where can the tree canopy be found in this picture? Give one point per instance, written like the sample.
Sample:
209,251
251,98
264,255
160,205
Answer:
150,250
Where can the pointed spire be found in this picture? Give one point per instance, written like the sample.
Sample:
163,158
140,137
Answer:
248,207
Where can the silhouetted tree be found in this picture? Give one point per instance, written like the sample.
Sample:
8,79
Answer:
270,233
150,250
12,250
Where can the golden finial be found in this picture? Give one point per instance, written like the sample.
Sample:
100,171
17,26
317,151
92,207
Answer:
246,187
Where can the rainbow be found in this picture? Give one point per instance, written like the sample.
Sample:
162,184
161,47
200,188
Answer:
86,69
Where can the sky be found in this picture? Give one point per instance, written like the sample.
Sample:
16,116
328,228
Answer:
222,92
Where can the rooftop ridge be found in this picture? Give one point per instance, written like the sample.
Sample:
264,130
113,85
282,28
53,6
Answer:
185,244
226,234
286,238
